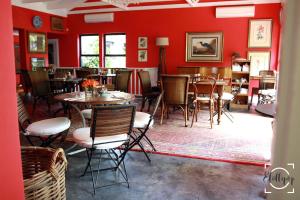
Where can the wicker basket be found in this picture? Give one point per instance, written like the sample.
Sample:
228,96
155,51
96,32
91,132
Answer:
44,173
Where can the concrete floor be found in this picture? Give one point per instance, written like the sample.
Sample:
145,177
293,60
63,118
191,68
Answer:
169,178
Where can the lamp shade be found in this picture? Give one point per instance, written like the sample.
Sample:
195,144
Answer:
162,41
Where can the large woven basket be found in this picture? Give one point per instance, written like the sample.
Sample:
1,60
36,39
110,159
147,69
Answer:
44,173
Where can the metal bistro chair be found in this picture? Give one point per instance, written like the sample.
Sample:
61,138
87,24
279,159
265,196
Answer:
204,96
47,130
149,93
111,128
122,80
142,123
175,89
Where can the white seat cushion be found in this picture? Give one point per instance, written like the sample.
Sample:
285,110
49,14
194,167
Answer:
227,96
202,98
82,137
141,120
271,92
87,113
48,126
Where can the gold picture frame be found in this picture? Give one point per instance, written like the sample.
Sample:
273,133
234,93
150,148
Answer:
37,42
204,47
57,23
259,60
260,33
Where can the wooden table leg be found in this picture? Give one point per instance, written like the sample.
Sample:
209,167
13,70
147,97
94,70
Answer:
219,108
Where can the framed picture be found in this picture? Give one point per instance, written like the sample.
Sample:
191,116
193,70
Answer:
260,33
142,42
204,47
142,55
37,42
260,60
57,23
37,62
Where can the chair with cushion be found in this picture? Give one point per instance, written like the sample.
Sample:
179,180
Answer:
262,85
110,129
47,131
142,123
204,94
41,88
149,93
175,89
122,80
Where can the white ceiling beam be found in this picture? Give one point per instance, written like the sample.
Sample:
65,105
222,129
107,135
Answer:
66,4
116,5
35,1
191,3
171,6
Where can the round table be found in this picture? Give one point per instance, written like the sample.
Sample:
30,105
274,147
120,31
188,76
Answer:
266,109
109,98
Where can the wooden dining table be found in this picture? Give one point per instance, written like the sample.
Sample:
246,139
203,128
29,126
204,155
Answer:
75,99
206,87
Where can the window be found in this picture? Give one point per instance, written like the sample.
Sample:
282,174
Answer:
89,51
115,51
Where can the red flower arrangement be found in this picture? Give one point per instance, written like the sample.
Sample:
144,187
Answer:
90,83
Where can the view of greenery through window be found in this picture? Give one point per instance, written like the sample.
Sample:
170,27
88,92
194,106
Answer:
89,51
115,51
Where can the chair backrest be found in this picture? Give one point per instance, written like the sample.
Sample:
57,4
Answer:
112,120
145,81
175,89
82,73
40,83
23,115
122,80
206,86
62,72
267,79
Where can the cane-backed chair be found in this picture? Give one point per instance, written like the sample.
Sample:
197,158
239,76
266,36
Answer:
175,89
149,93
41,88
111,128
204,94
122,80
47,131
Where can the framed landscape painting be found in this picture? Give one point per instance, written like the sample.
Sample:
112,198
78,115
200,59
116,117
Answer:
204,47
260,60
37,42
260,33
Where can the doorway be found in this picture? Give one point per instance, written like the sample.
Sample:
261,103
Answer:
53,52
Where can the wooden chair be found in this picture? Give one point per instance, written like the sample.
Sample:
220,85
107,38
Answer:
149,93
267,81
47,130
111,128
41,88
122,80
204,95
175,89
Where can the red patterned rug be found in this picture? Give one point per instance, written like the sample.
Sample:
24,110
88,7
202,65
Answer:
247,140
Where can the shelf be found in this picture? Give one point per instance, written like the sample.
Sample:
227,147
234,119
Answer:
239,72
242,95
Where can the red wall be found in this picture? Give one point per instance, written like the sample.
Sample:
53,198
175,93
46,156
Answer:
173,23
11,184
22,20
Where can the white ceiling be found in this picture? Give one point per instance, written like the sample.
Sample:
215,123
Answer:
65,7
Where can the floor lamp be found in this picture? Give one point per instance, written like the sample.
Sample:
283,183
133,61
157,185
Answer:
162,42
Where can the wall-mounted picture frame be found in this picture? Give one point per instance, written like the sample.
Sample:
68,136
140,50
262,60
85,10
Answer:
260,33
142,42
260,60
204,47
37,42
37,62
57,23
142,55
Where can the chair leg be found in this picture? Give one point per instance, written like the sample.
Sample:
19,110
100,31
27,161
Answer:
149,104
162,112
185,115
211,109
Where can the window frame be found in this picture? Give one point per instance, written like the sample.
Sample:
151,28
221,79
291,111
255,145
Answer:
112,55
88,55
